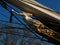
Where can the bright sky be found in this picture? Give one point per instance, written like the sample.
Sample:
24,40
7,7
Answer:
54,4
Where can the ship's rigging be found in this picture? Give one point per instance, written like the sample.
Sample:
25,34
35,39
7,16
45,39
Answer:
36,26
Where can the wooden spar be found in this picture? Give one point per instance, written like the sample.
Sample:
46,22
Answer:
35,9
39,11
44,14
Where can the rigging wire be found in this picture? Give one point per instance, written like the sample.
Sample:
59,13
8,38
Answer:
9,27
20,35
16,28
9,22
4,15
25,25
5,6
20,21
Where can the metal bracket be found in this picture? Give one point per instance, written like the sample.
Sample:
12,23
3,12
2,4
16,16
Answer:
22,13
38,26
